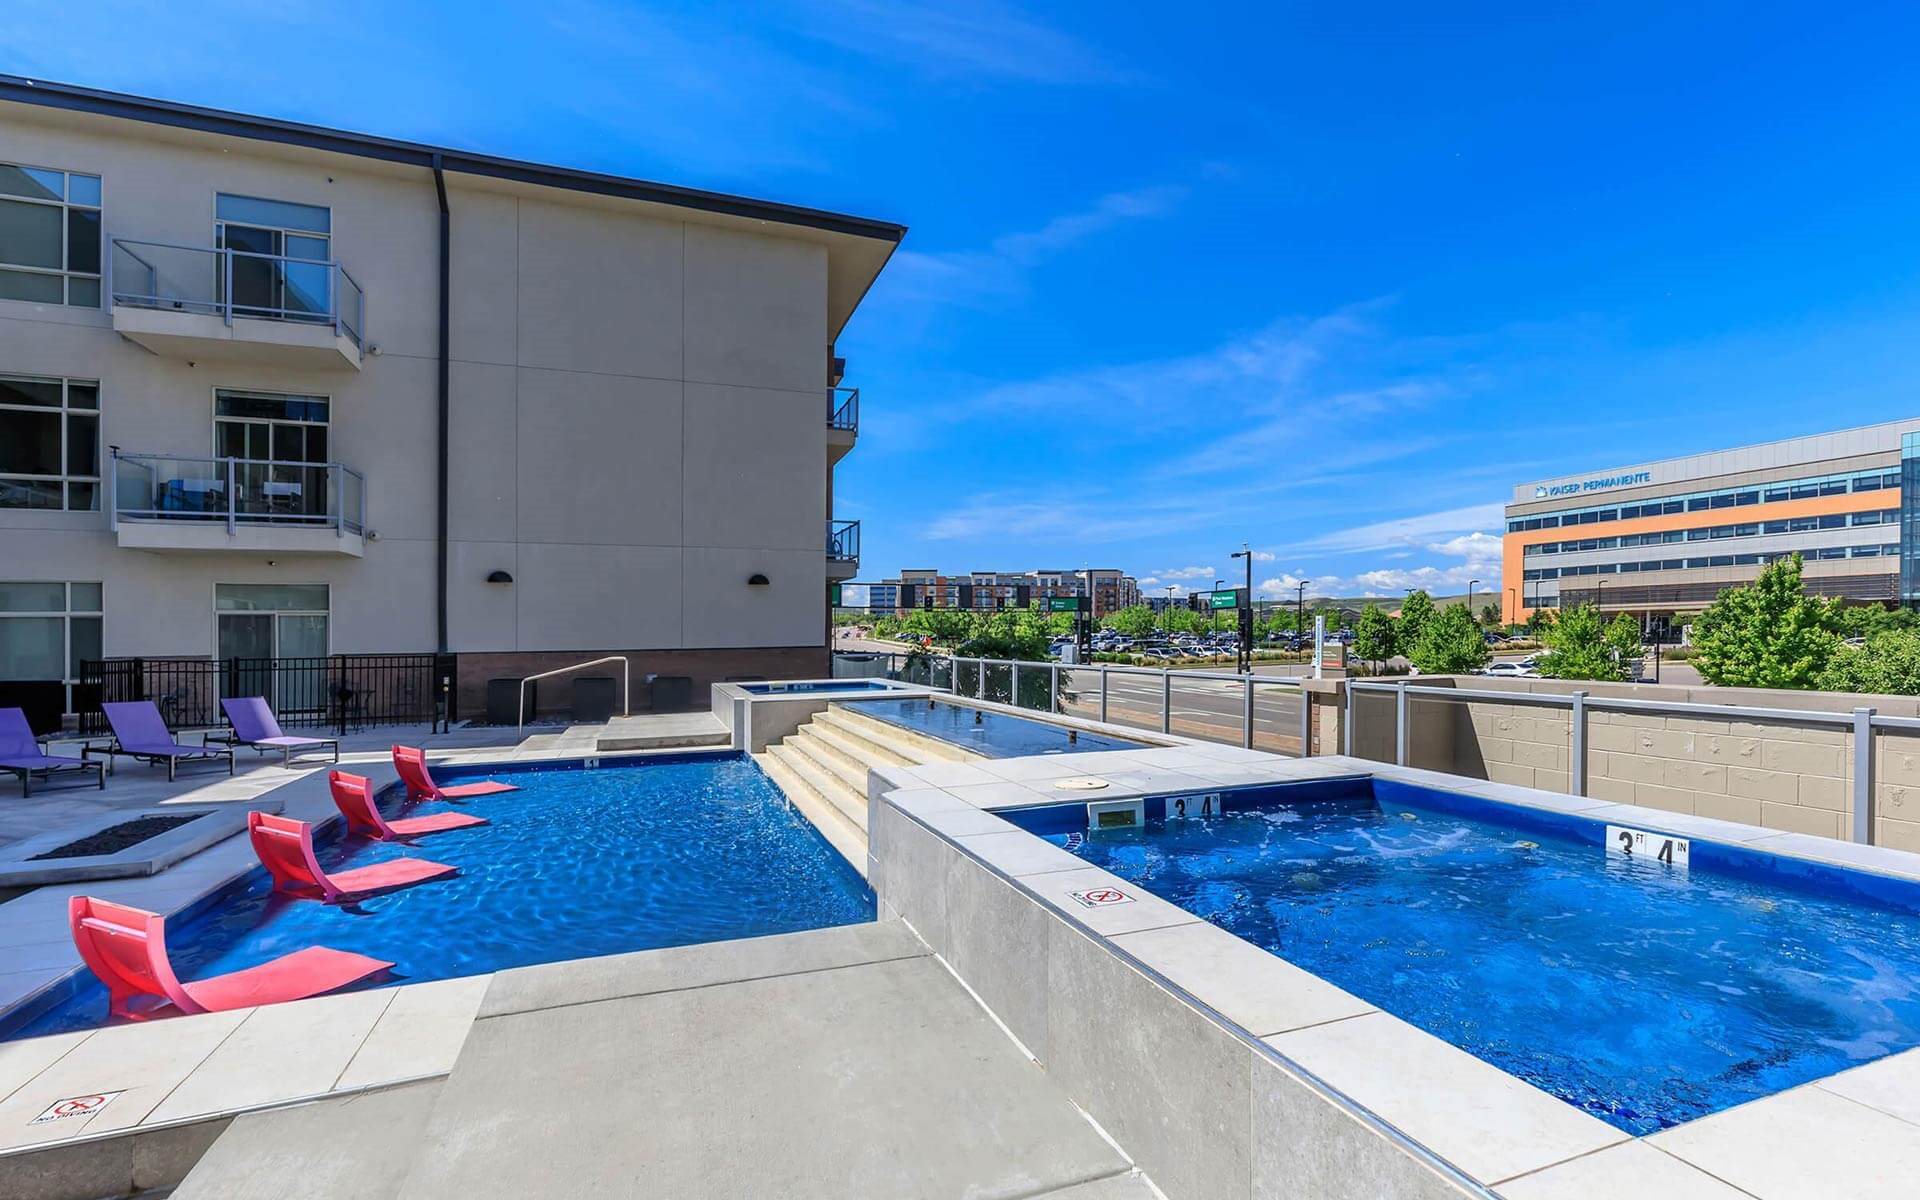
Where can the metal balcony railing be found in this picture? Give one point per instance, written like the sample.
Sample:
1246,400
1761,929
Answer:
165,487
843,541
237,283
843,408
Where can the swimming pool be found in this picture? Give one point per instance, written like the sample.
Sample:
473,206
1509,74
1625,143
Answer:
1647,994
811,686
639,854
989,734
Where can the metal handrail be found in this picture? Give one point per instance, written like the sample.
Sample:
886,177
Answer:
845,415
354,324
1247,682
338,472
626,684
1862,720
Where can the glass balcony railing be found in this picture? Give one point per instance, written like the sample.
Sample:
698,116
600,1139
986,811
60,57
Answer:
237,283
843,541
843,408
238,491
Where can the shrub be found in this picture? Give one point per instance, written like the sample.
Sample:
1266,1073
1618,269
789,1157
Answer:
1889,662
1450,643
1769,634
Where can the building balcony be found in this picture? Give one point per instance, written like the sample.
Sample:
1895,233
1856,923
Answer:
843,549
205,304
843,422
170,503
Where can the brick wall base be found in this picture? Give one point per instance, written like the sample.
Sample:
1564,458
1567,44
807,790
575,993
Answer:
706,667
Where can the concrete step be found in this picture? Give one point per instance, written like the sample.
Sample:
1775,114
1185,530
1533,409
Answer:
846,767
834,825
863,740
357,1147
830,787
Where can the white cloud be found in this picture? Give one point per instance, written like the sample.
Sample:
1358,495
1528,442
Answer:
999,270
1149,581
1403,532
1188,573
1474,547
1263,556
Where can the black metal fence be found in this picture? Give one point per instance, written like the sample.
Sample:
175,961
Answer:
339,691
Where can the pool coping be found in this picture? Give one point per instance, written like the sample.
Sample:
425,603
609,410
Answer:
934,826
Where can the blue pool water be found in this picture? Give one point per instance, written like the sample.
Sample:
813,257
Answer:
806,688
1644,994
993,735
575,864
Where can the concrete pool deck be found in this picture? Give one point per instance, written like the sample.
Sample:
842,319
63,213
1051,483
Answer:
728,1069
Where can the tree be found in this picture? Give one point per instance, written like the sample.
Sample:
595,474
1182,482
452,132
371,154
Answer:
1374,638
1415,611
1134,621
1450,642
1768,634
1581,646
1539,621
1889,663
1490,615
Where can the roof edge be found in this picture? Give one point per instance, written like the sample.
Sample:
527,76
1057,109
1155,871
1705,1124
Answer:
73,98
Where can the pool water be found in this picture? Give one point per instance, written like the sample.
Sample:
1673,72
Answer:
1645,994
576,863
992,735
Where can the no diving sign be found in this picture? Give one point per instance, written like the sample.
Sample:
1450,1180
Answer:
74,1106
1101,897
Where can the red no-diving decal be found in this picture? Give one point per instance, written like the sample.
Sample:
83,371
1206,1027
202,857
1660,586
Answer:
1101,897
74,1106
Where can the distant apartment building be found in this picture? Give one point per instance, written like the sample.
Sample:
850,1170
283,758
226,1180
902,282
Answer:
269,390
987,591
1660,540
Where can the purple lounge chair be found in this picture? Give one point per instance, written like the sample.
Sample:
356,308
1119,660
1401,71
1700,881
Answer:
140,733
21,754
255,725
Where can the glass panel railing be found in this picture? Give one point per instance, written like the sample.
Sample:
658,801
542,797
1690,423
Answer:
236,283
161,487
843,541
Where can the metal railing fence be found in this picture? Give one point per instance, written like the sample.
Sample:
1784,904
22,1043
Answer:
236,491
274,287
1226,707
342,691
843,408
1861,722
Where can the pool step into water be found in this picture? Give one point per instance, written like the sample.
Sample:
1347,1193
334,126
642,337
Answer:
921,748
822,767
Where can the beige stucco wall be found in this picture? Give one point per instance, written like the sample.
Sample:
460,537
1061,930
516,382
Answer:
1774,774
638,408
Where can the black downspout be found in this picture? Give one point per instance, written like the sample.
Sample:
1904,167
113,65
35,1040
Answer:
446,404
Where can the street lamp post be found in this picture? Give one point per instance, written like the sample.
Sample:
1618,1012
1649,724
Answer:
1300,611
1170,588
1599,595
1244,662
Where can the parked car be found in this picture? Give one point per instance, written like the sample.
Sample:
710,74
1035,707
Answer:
1509,670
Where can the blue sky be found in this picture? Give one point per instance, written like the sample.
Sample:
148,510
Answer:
1326,278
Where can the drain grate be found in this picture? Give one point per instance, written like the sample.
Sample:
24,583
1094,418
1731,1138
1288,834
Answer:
115,838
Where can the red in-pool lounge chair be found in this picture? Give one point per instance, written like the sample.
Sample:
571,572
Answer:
353,795
412,765
285,847
127,948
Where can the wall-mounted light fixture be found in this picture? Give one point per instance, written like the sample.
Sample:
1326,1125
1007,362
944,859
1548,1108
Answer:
499,577
756,580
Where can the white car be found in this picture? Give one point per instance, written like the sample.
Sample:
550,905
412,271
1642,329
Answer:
1510,670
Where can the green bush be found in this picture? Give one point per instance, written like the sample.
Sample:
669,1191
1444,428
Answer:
1769,634
1450,642
1888,663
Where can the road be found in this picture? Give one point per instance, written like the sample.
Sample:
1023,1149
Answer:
1211,709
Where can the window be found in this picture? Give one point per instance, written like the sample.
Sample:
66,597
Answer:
47,629
49,236
281,256
49,443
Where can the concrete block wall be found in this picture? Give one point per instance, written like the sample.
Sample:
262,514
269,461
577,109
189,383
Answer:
1778,775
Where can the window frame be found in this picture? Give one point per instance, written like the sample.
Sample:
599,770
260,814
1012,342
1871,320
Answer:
65,271
69,675
65,412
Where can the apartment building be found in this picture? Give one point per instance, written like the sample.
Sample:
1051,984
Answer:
987,591
272,390
1660,540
